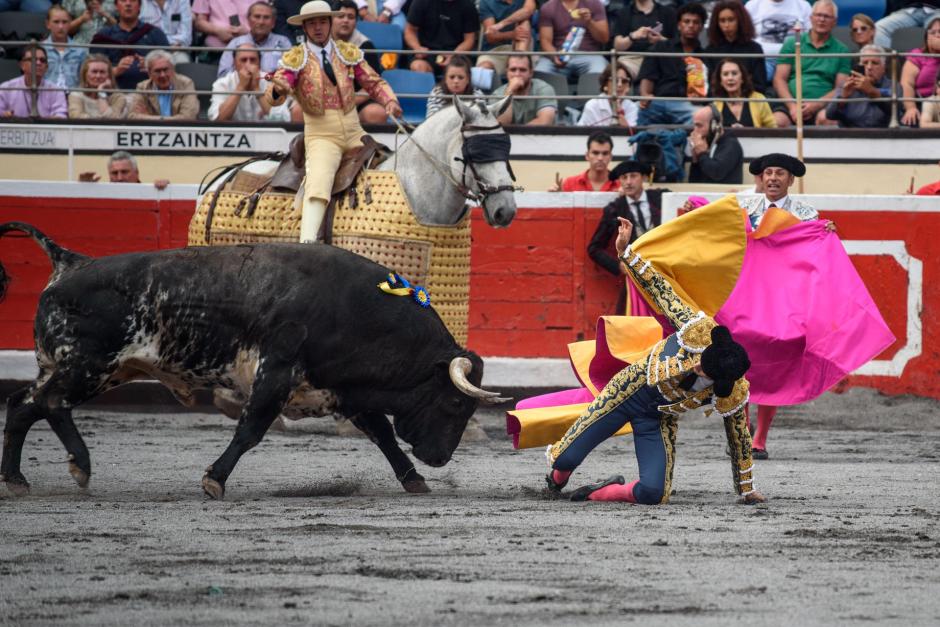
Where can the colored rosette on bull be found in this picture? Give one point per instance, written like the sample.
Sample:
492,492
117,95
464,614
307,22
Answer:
421,296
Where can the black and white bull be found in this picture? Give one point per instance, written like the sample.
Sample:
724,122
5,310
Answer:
302,329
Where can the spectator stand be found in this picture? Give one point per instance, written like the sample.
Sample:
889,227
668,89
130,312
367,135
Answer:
875,9
567,109
203,75
908,38
417,86
382,36
22,25
9,69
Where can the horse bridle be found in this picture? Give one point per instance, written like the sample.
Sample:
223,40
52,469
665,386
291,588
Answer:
484,189
497,152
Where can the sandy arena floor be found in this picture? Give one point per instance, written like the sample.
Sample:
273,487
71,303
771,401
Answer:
315,530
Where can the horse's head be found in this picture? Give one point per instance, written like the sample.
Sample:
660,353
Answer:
485,157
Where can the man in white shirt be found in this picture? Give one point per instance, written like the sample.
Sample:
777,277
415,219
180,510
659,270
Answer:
261,18
239,94
776,172
175,19
773,23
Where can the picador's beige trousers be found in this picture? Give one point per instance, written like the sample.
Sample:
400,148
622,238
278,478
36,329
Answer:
326,138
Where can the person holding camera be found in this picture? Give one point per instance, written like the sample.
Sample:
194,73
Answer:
867,80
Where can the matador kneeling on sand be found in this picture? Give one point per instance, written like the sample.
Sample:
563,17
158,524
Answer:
698,365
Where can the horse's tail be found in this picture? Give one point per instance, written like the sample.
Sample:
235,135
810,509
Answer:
61,258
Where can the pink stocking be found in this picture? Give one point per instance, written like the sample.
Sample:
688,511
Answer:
615,492
765,417
560,476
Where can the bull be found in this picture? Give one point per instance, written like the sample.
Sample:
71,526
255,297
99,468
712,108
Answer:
271,328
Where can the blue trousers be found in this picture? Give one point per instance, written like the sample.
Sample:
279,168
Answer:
654,435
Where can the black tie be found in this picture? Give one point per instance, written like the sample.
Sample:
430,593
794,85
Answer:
639,215
328,67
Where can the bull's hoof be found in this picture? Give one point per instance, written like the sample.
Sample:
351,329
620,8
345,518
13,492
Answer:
416,486
213,488
81,475
19,486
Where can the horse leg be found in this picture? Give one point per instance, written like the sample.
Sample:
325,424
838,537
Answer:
269,393
377,426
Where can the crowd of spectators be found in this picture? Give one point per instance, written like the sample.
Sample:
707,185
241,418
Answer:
675,57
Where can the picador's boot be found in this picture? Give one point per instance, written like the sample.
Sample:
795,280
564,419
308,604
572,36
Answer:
314,211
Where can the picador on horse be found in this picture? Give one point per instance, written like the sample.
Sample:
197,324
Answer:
321,74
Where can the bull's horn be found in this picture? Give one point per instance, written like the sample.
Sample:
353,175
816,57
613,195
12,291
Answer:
459,368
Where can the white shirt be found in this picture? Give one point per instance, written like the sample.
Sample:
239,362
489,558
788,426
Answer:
597,112
773,21
642,205
316,51
175,19
248,108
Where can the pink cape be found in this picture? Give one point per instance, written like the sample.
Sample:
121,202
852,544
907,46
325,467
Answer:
803,314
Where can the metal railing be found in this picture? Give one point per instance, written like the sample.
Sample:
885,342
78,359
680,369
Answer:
892,57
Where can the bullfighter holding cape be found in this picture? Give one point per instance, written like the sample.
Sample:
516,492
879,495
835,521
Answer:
782,303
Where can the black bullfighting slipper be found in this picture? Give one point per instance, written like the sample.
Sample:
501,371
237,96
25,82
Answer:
582,493
554,488
759,453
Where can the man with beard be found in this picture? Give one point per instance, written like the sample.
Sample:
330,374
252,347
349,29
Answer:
322,73
538,111
261,17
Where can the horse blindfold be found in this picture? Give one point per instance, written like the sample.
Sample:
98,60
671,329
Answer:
488,148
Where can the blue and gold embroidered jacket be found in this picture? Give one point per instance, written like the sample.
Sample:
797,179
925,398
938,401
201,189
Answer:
673,359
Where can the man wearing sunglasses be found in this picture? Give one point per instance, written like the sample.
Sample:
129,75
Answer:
25,97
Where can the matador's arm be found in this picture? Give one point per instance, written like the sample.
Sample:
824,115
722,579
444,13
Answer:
657,287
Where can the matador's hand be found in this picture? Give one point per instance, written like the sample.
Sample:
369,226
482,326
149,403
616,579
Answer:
623,235
753,498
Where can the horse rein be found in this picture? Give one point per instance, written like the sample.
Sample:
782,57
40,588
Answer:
485,189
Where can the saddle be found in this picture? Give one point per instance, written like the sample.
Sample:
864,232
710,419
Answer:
290,172
289,175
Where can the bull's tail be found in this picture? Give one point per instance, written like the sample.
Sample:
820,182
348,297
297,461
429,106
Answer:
61,258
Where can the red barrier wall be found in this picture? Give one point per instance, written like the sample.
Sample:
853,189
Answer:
533,288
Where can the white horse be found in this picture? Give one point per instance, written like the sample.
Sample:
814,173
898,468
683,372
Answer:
457,156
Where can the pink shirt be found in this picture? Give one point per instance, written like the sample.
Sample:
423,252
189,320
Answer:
927,74
220,12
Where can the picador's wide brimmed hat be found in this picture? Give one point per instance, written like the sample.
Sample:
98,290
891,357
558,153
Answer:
724,361
777,160
316,8
630,165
